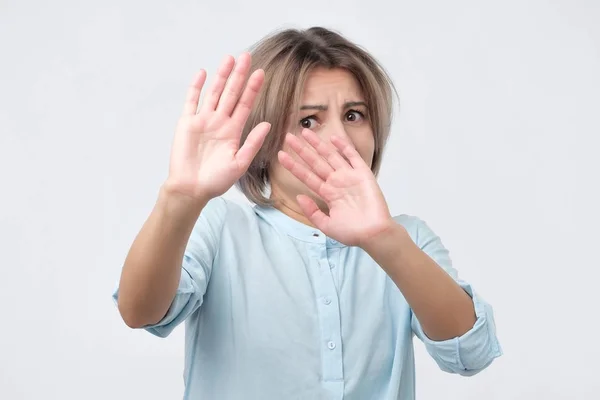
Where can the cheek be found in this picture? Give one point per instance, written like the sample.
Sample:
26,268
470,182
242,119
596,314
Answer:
293,154
365,145
279,173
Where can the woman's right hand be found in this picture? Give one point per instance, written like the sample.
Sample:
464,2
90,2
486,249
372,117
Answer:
206,158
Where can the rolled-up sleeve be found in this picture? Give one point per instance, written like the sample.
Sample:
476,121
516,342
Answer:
195,270
476,349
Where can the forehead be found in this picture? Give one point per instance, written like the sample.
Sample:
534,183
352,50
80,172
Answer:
323,83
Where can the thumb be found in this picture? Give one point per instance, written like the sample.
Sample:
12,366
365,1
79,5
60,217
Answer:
252,144
313,212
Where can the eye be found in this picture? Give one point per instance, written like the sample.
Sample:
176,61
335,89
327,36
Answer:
354,116
308,122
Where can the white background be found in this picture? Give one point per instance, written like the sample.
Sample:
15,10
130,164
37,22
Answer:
495,146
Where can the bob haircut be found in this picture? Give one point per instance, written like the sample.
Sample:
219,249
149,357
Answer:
288,57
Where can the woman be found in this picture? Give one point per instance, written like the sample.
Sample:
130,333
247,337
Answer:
315,291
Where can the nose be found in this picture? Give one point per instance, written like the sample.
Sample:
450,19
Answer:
334,127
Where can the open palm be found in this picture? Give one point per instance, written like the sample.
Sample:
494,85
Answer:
340,177
206,157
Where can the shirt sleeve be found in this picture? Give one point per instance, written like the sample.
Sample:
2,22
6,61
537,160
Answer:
475,350
195,270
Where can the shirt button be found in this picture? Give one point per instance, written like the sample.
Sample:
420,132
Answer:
327,301
331,345
332,265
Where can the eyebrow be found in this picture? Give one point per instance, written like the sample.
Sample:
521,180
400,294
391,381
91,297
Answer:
321,107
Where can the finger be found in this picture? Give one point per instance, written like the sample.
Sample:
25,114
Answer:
252,145
235,84
212,99
310,156
306,176
244,106
313,212
193,94
325,150
349,152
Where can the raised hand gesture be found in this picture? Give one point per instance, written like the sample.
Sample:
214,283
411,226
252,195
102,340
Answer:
336,172
206,158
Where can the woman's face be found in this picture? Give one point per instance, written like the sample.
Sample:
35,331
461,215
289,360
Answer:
332,104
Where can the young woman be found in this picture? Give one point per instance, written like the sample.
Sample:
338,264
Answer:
315,291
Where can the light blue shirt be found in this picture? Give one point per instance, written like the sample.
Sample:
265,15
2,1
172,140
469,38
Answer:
274,309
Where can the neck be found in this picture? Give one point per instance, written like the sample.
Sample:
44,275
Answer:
288,206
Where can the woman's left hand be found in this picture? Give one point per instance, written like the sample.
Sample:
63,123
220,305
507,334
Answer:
336,172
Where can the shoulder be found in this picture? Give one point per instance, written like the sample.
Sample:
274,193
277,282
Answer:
226,211
221,217
407,221
411,223
417,228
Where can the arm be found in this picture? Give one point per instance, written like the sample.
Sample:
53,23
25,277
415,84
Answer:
463,340
152,269
444,309
207,158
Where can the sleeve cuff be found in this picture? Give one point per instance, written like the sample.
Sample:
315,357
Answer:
471,352
186,301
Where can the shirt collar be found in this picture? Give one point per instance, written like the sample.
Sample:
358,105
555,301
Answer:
293,228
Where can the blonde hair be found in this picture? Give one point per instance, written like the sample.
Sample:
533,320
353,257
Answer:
287,57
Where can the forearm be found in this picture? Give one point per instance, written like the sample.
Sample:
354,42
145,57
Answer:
443,308
152,268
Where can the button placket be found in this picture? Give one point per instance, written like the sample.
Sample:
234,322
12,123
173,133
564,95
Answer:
329,316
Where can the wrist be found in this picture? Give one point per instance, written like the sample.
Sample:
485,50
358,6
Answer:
388,242
179,206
